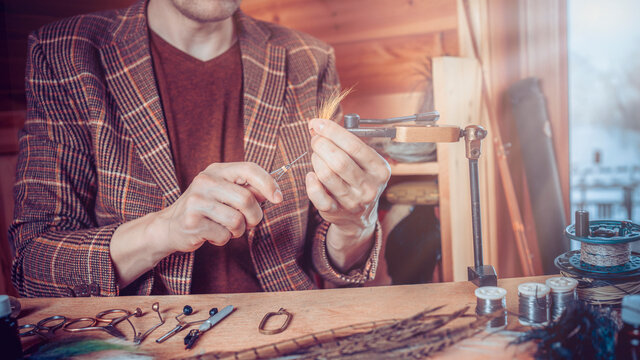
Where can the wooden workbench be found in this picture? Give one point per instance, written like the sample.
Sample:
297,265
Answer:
314,311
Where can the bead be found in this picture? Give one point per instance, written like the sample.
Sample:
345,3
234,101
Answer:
213,311
187,310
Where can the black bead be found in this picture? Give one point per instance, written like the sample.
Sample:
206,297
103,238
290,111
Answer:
213,311
187,310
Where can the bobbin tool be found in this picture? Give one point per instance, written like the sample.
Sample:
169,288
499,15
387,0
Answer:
424,129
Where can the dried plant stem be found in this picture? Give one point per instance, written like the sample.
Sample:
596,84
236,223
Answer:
415,337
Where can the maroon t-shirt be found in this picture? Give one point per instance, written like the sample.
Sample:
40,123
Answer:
202,102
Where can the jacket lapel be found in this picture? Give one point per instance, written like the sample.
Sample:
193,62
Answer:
264,81
129,75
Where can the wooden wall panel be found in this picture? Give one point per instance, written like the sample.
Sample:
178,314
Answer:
392,65
338,21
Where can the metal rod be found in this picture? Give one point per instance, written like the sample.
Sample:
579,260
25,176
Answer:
428,116
475,213
382,132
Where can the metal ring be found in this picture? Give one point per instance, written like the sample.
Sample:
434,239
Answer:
92,320
280,329
100,316
42,323
32,329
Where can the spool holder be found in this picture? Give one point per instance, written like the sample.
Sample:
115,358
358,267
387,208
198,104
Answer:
425,130
627,232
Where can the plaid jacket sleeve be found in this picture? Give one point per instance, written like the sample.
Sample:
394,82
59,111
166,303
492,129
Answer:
60,250
328,84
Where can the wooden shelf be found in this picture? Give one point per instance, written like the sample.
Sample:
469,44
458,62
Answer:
424,168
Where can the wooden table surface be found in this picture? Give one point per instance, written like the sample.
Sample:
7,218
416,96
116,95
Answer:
314,311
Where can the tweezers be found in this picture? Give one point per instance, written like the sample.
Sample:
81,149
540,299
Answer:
278,173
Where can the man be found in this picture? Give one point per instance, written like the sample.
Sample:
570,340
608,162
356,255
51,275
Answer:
142,160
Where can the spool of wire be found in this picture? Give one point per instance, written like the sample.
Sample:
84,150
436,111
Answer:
563,294
605,267
490,299
534,304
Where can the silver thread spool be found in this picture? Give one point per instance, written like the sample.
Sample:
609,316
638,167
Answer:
605,255
490,299
534,304
563,294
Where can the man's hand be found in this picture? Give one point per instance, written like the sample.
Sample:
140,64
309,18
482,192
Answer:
348,179
221,203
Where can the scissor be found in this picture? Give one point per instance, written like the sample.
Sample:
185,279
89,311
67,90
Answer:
45,328
110,328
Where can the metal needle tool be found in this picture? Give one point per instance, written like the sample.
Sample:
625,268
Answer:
278,173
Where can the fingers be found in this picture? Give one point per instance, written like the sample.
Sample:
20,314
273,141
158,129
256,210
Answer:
337,160
367,158
239,198
231,219
253,175
202,208
196,227
318,195
211,195
347,196
216,234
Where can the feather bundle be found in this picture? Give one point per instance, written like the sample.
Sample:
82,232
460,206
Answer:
583,332
69,348
329,106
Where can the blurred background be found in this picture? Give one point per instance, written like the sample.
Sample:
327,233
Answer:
554,81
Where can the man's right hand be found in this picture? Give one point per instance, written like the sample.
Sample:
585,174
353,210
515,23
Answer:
222,202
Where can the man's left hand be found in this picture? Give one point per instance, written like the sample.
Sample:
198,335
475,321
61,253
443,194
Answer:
348,179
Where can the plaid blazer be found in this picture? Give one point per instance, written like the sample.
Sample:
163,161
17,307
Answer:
94,153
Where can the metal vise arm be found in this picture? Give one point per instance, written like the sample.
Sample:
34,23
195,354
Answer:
425,130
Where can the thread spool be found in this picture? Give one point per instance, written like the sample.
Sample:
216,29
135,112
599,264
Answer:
533,304
563,294
605,255
490,299
605,267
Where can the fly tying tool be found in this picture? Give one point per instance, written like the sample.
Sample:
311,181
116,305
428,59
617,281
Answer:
194,335
278,173
186,311
139,336
45,328
110,328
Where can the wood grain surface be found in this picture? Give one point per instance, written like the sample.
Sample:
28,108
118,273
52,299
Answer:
313,311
